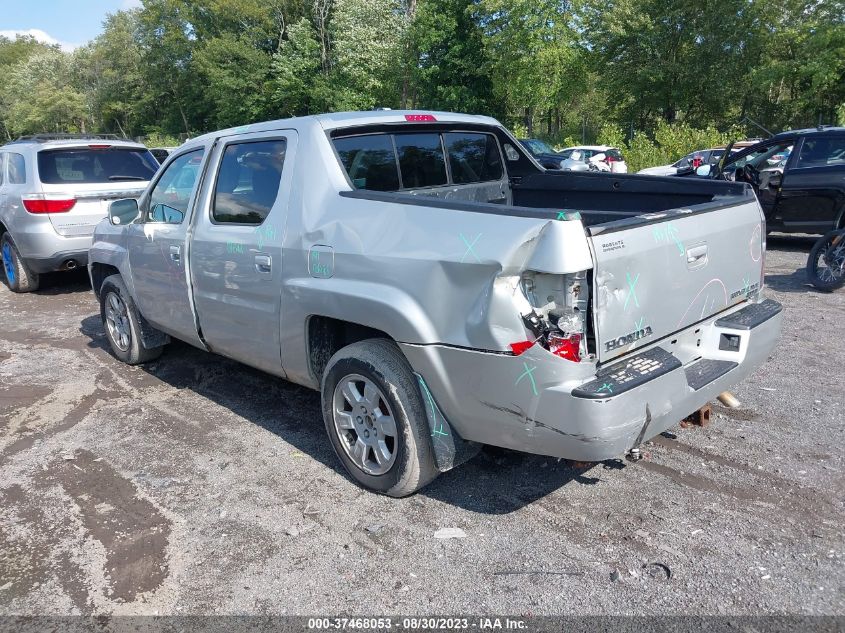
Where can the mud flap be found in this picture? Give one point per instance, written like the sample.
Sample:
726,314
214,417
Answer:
150,336
450,449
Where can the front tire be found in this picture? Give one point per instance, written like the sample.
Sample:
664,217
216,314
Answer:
375,417
826,263
19,277
122,323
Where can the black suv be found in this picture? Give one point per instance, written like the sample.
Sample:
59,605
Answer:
799,177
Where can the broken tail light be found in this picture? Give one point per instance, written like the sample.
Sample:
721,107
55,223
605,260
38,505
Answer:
556,318
566,346
521,346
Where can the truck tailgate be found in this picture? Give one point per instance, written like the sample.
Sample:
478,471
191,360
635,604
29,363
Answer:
657,274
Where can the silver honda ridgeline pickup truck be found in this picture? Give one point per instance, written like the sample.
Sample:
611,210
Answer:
440,288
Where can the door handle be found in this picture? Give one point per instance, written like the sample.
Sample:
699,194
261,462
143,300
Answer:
696,253
176,253
697,256
263,264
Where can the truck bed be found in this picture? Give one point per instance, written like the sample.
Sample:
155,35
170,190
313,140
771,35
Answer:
600,198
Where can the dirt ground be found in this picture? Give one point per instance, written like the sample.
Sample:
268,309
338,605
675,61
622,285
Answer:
195,485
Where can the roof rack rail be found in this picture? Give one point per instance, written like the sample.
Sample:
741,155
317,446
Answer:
41,138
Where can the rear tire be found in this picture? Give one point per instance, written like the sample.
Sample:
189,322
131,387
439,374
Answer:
375,417
19,277
829,250
122,323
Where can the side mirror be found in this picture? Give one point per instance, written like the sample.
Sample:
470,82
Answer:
703,170
123,211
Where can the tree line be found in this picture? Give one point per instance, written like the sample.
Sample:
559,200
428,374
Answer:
564,70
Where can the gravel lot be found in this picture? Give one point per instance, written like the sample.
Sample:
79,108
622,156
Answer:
196,485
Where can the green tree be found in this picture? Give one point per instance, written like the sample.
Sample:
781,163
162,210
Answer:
300,85
41,96
532,56
451,69
235,77
12,53
367,40
110,70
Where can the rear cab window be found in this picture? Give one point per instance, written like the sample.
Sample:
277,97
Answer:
417,160
95,165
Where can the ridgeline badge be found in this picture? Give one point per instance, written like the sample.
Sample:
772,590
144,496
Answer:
628,338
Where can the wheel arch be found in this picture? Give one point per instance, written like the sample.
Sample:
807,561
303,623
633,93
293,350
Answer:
325,335
98,272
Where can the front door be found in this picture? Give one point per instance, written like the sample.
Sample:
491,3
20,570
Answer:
157,248
236,254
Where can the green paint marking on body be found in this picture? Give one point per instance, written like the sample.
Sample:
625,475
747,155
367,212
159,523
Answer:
631,290
428,396
530,373
470,247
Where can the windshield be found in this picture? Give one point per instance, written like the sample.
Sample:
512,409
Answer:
538,147
86,165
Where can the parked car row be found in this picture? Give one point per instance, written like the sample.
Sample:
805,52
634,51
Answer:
579,158
421,270
798,176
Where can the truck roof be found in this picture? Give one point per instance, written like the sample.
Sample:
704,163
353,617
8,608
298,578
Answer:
340,120
71,141
825,129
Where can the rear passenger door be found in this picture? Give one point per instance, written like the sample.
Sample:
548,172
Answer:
236,255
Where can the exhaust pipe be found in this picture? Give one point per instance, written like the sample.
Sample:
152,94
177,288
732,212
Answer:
70,264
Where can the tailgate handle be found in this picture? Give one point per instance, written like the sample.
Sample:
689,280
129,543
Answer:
263,264
697,255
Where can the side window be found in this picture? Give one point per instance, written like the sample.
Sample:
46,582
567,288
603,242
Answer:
17,169
248,181
421,160
171,194
2,169
821,151
473,157
369,161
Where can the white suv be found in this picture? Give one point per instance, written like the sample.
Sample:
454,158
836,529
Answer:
604,157
54,189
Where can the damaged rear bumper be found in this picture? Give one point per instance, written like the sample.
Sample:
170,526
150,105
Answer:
539,403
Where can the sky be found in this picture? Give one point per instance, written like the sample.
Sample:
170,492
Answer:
70,23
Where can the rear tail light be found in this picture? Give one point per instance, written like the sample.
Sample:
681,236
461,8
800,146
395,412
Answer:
611,159
521,346
48,202
420,118
556,315
566,346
